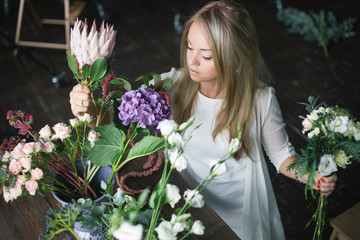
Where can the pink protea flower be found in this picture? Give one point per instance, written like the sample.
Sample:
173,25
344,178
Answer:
87,47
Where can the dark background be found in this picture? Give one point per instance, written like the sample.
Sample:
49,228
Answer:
147,43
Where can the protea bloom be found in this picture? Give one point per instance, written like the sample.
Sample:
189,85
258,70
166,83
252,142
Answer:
87,47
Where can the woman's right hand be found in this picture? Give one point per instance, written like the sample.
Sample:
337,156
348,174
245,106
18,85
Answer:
80,99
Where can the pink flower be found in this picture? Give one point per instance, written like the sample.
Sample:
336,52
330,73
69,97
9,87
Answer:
93,136
48,147
17,152
31,186
15,167
7,195
45,132
29,148
74,122
62,131
21,179
85,118
6,157
36,174
25,163
15,191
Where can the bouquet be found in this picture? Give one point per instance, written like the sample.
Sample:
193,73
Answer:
333,141
124,217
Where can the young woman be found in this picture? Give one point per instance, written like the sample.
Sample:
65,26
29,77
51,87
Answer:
223,82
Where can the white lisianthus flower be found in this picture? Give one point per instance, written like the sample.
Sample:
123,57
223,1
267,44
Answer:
177,159
342,159
235,145
85,118
172,194
166,231
126,231
175,139
307,124
62,131
186,124
179,223
45,132
339,124
167,127
198,228
314,132
195,198
219,168
327,165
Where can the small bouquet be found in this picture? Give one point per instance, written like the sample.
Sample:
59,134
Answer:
333,141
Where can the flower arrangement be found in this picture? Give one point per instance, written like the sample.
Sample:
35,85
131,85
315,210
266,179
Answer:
333,141
125,217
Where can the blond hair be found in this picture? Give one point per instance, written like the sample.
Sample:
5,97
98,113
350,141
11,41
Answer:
240,68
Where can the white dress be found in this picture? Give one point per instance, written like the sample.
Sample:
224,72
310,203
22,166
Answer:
243,197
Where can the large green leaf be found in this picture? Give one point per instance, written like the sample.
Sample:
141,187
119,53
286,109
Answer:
72,62
107,148
98,69
145,146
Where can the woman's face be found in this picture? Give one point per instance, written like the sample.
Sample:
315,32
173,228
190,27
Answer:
199,57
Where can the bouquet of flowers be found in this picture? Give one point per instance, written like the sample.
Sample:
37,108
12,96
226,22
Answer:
333,141
125,217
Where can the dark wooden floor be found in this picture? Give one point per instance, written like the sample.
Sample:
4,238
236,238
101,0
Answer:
146,43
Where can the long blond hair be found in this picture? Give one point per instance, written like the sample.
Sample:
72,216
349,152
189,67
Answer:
241,70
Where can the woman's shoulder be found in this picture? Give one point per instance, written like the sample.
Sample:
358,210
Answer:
264,95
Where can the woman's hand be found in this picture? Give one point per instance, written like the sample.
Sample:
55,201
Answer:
80,100
325,184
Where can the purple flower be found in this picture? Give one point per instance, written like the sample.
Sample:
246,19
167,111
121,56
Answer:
144,106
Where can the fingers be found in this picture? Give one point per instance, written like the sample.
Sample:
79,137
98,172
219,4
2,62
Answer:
326,184
80,99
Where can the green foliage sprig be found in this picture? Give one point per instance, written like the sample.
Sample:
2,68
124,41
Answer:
321,27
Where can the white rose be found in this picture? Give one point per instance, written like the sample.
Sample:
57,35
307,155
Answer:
198,228
314,132
195,198
172,194
177,159
62,131
339,124
342,159
92,137
167,127
235,145
45,132
175,139
165,231
313,116
307,124
85,118
327,165
219,168
48,147
74,122
6,157
126,231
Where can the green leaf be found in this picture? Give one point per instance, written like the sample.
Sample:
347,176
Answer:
109,145
145,146
122,82
73,64
144,78
86,71
98,69
2,175
98,211
156,77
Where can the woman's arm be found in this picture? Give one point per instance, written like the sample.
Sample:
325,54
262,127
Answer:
325,184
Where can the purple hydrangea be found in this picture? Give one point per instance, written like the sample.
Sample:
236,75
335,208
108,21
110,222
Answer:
144,106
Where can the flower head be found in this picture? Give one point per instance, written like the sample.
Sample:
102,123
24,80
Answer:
177,159
198,228
339,124
126,231
342,159
31,186
327,165
87,47
235,145
167,127
166,231
195,198
172,194
307,124
219,168
36,174
45,132
92,137
62,131
143,106
85,118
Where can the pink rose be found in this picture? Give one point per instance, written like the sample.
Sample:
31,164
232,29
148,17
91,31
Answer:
15,167
92,137
307,124
21,179
48,147
7,195
31,186
17,152
36,174
74,122
15,191
25,163
29,148
45,132
62,131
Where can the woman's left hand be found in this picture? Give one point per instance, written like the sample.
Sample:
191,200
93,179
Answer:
325,184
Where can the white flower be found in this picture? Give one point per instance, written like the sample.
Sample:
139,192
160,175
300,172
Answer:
15,191
235,145
219,168
31,186
175,139
342,159
177,159
17,152
21,179
327,165
7,195
74,122
45,132
48,147
339,124
198,228
179,223
313,116
307,124
195,198
62,131
167,127
6,157
25,163
314,132
126,231
172,194
85,118
92,137
36,174
165,231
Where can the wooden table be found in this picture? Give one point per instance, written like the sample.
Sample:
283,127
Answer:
346,225
25,218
